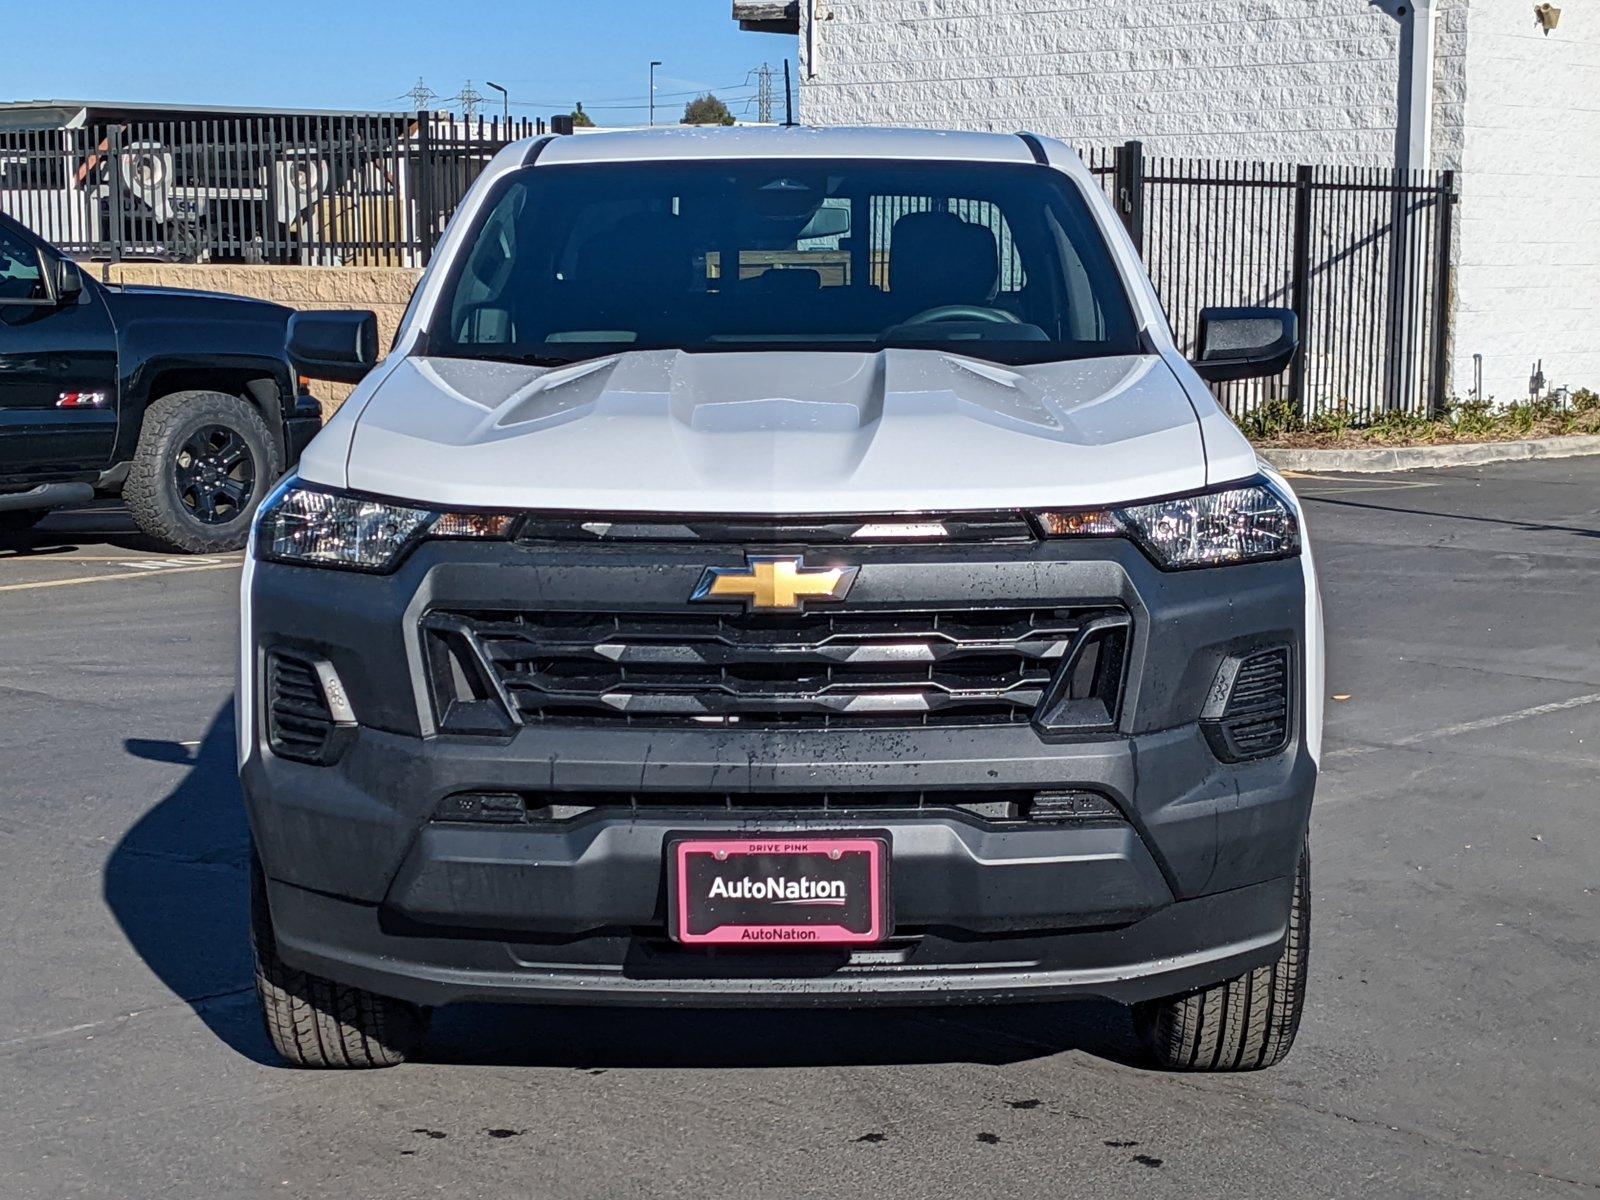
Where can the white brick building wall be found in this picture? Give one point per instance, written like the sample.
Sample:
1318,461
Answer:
1516,112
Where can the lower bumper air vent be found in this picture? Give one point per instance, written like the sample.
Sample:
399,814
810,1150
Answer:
1247,715
308,716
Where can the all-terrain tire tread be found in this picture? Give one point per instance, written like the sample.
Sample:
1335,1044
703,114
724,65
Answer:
145,491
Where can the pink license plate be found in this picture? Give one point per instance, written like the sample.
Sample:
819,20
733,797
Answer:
775,891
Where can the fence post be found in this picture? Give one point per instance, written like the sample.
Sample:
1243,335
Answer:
1439,392
427,233
1300,285
114,173
1129,167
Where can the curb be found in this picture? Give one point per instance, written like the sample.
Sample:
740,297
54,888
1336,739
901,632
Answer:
1414,458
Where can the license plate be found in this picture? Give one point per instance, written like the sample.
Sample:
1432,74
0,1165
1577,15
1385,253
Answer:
769,891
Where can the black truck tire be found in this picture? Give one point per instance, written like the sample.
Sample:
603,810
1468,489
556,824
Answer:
204,461
1242,1024
315,1022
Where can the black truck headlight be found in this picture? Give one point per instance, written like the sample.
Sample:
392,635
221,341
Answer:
321,527
1244,523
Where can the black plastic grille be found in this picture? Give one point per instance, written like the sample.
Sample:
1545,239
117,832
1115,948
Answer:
895,668
1255,722
299,725
1005,804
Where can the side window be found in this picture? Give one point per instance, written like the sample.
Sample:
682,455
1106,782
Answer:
21,274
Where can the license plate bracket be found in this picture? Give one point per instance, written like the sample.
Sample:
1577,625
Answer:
826,889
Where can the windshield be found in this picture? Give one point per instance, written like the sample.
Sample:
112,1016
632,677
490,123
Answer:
991,261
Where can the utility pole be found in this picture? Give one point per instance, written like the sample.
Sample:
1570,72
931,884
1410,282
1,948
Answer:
764,94
505,99
654,63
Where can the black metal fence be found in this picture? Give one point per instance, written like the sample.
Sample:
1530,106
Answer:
1362,254
368,189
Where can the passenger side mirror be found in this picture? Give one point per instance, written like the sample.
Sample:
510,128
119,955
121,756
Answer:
1245,343
340,347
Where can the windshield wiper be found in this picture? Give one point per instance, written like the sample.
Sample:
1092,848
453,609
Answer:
525,358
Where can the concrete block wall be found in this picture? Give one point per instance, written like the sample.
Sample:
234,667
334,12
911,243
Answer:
1516,114
1528,256
1299,80
384,290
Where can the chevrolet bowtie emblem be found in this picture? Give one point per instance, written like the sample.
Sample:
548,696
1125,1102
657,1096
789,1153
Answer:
775,584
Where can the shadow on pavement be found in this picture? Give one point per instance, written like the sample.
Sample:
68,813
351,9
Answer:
105,523
178,884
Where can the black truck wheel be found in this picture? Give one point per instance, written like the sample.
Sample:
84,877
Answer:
315,1022
1245,1023
204,461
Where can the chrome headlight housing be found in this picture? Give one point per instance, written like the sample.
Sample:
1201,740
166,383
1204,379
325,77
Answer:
1241,523
322,527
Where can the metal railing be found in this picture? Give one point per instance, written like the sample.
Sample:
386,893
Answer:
364,189
1362,254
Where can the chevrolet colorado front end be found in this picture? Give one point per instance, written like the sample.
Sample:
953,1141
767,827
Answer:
782,567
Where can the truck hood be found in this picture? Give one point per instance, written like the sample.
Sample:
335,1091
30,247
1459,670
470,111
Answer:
667,431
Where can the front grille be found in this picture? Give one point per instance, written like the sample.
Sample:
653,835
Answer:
995,804
1255,721
892,668
299,723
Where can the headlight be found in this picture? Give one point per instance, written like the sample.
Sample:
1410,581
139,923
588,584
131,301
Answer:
319,527
1249,523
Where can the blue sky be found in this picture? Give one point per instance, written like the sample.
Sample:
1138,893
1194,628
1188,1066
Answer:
361,54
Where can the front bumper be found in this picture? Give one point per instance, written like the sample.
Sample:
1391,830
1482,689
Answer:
1190,885
300,425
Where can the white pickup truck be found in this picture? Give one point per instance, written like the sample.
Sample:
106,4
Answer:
782,567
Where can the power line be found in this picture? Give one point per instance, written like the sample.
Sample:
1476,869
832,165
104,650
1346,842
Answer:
470,98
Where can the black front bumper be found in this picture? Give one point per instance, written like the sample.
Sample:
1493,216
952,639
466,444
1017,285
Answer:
1190,885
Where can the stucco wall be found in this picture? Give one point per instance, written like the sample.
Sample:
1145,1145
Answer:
384,290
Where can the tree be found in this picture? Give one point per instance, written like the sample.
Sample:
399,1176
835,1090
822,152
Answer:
581,119
706,110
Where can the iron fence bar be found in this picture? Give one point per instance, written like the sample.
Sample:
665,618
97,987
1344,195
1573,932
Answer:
1300,283
1443,229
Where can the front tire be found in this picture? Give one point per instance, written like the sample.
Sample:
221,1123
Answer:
315,1022
1242,1024
205,461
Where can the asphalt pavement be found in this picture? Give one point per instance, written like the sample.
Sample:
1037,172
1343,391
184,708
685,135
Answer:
1451,1044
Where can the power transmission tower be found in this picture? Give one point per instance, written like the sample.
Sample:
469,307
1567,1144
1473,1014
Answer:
470,99
764,94
421,94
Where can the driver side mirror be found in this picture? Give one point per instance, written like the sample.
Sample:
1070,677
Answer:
1245,343
69,282
341,347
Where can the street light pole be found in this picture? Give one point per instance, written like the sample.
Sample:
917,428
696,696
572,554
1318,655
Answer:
654,63
505,99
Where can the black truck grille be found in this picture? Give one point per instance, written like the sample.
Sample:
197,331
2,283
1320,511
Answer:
895,668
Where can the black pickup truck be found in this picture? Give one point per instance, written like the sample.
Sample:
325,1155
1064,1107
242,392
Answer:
184,403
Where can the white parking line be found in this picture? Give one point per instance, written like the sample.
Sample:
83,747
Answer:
141,574
1522,714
